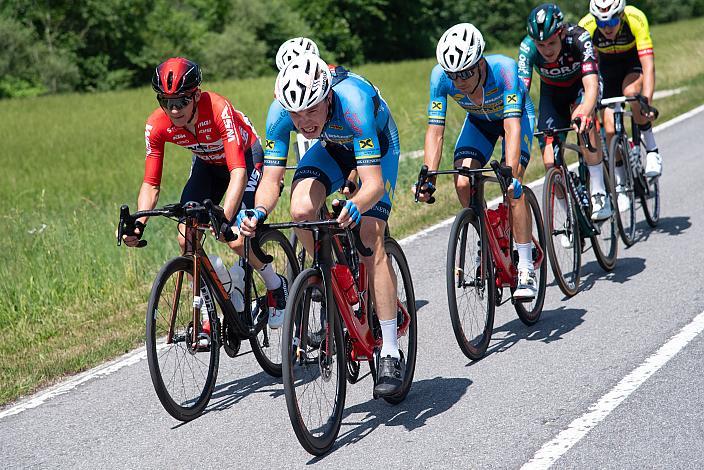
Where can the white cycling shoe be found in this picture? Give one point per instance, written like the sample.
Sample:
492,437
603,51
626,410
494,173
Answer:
601,207
624,203
527,287
653,165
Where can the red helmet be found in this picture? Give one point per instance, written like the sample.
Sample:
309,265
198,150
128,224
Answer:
176,76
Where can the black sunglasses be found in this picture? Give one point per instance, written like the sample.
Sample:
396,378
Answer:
178,103
463,74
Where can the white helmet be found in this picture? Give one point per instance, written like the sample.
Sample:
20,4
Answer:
460,47
303,83
604,10
293,48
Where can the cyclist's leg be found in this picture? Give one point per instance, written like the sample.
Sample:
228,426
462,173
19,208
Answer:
473,149
613,75
200,186
318,175
633,84
554,112
520,217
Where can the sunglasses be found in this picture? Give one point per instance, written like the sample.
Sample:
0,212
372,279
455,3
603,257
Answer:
462,74
178,103
611,23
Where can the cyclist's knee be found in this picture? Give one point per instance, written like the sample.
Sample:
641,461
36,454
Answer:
303,209
181,242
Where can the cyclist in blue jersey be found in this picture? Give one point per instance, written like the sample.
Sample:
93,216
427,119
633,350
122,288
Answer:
497,105
355,130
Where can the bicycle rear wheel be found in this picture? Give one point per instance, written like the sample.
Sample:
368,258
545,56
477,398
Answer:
408,342
471,285
625,217
183,374
529,312
314,369
562,238
649,193
605,242
266,346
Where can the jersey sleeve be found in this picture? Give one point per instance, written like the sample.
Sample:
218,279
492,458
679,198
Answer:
153,163
526,57
640,29
232,140
513,92
359,114
585,51
439,85
278,135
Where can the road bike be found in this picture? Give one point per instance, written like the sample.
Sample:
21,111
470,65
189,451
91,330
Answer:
630,152
481,260
190,314
331,327
567,213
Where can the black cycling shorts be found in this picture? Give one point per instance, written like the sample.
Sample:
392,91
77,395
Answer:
614,72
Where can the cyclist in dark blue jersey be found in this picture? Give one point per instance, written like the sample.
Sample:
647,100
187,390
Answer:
497,105
355,130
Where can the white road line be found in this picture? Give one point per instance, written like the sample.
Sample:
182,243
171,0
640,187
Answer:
140,354
557,447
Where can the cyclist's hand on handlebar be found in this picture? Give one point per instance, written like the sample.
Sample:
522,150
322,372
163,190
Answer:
247,220
350,215
515,189
133,240
426,191
348,188
582,122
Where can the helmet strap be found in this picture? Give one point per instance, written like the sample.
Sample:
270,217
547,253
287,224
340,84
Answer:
481,78
195,109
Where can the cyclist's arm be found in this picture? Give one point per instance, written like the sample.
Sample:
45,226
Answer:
591,93
371,190
512,139
269,189
439,87
147,199
235,189
644,43
648,64
153,165
434,138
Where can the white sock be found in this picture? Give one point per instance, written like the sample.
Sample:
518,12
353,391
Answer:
596,179
620,174
649,140
525,255
390,338
271,279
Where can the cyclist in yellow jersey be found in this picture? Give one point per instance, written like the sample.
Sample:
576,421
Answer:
621,36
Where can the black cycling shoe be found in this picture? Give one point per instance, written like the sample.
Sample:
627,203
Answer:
390,376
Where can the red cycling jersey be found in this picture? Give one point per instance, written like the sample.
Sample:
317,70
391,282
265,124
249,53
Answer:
223,136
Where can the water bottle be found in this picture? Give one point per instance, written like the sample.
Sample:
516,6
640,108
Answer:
236,273
344,279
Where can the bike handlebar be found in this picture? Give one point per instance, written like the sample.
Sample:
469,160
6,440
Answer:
504,175
581,137
645,107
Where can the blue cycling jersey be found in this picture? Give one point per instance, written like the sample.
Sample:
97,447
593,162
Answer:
504,93
358,118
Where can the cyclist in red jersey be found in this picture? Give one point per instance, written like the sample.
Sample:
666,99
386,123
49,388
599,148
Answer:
226,163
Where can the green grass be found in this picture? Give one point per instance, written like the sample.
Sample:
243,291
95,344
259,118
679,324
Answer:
69,298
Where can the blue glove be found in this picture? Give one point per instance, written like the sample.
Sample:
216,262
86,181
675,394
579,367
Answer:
259,214
353,211
517,188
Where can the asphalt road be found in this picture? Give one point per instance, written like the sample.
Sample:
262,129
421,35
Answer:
495,413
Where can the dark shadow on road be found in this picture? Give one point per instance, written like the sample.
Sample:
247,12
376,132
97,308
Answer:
420,303
668,225
553,324
428,398
624,271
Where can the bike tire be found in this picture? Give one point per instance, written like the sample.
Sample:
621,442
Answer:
529,312
650,195
606,253
566,270
467,223
296,371
408,345
192,402
266,345
626,220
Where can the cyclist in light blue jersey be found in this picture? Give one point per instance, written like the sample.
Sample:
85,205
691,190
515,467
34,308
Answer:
355,130
497,105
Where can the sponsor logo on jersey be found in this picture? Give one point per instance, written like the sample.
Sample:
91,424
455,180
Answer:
337,127
204,123
491,92
269,144
366,144
180,136
436,105
524,47
147,132
512,99
244,134
205,131
585,36
229,124
557,71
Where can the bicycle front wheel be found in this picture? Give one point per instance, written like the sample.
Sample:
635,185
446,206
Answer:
183,373
266,346
471,285
314,368
562,238
626,213
406,315
529,312
605,241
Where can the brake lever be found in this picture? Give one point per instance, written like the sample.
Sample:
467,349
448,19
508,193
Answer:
126,226
422,179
